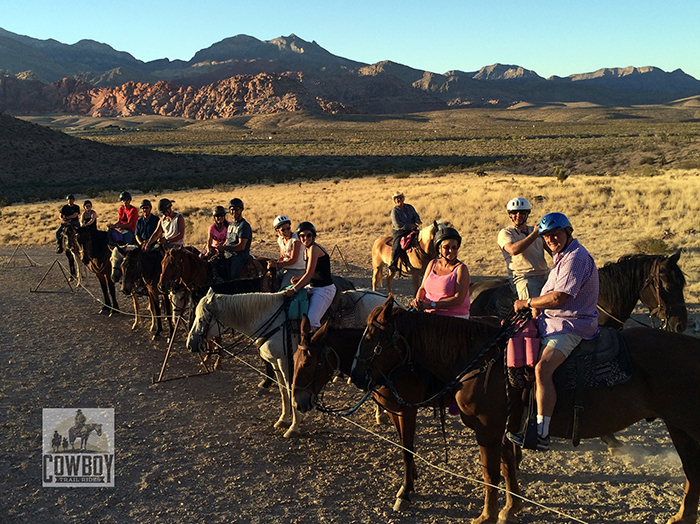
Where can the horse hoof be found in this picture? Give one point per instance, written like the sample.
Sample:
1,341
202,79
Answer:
156,336
104,311
261,391
383,419
401,505
291,433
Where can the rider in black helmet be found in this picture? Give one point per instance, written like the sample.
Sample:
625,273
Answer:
146,224
238,239
171,228
69,216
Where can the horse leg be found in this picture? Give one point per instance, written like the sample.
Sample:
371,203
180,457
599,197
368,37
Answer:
689,451
136,310
490,451
377,271
154,308
281,383
113,292
380,415
389,282
416,278
106,304
71,262
509,469
287,404
267,381
406,426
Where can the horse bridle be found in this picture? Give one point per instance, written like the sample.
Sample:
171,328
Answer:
320,362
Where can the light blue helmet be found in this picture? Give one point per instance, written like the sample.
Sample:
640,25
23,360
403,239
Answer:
552,222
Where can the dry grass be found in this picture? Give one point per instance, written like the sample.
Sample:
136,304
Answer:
610,214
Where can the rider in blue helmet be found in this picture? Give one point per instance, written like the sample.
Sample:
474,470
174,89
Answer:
566,313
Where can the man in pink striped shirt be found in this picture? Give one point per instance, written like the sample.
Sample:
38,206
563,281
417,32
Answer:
569,313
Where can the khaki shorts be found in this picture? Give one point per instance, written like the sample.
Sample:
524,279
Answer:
563,342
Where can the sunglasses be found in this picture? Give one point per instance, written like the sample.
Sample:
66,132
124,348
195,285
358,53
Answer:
522,212
284,228
449,248
306,235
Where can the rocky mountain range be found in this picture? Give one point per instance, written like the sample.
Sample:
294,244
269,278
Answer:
243,75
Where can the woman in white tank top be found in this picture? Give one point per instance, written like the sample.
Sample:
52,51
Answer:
171,228
291,263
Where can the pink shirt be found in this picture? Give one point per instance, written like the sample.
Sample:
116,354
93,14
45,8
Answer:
438,287
218,237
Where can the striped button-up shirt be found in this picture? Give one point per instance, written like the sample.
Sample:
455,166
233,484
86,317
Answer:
574,272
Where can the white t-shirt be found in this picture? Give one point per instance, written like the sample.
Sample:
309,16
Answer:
287,250
530,262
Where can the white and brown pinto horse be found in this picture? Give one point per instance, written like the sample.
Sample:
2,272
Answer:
262,318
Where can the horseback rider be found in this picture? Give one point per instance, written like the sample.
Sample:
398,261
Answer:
79,420
171,228
523,250
445,286
239,237
291,263
217,233
567,309
317,278
69,217
89,216
123,230
146,224
404,220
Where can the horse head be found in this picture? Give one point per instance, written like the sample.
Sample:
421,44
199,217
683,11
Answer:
171,269
204,325
663,293
310,371
84,240
116,259
377,353
130,268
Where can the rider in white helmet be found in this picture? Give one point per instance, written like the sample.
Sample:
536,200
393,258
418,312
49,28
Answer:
523,250
291,262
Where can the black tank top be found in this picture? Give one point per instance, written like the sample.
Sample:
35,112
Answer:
322,275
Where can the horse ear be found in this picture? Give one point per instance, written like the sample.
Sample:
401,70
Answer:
210,293
305,326
675,257
321,333
386,309
122,251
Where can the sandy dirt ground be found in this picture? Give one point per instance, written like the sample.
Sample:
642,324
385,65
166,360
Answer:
203,449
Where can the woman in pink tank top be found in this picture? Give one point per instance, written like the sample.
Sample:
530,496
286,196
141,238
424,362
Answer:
445,286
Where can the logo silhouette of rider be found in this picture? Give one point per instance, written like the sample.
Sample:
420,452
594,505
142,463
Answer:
79,420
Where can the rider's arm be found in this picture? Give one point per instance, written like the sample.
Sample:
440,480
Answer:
180,231
420,294
296,251
461,290
551,300
155,236
515,248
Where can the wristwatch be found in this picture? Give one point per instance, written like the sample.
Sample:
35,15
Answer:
528,302
433,305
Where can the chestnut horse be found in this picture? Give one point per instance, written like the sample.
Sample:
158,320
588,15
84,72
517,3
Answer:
663,387
656,280
332,349
95,253
418,256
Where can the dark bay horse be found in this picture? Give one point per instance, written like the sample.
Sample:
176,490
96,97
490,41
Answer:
656,280
83,433
142,268
95,254
71,249
332,349
665,388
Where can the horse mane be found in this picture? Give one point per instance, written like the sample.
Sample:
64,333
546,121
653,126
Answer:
244,309
441,340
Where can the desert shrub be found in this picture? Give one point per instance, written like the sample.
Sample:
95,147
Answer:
91,192
651,246
4,202
108,197
649,171
402,174
647,160
560,174
380,179
223,188
480,171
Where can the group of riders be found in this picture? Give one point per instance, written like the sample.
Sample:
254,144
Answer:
562,298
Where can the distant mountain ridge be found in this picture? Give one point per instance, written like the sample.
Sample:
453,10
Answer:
324,82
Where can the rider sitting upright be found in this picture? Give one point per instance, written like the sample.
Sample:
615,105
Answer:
404,220
69,217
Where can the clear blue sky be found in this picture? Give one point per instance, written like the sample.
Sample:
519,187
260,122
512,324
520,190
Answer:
551,37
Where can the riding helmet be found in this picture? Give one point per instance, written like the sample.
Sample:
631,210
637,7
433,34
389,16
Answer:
218,211
281,220
236,202
70,197
306,226
518,204
125,195
145,203
446,233
164,204
552,222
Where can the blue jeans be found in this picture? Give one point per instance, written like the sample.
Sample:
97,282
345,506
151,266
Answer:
236,263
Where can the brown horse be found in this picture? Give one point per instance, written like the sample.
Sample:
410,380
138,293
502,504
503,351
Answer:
72,250
332,349
95,254
140,267
656,280
665,388
418,256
